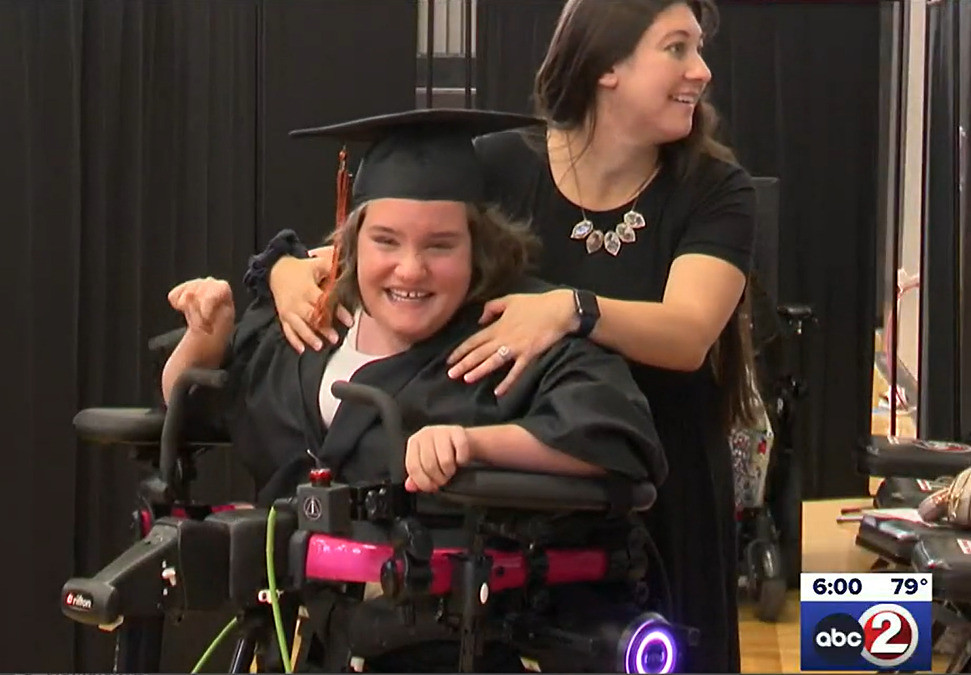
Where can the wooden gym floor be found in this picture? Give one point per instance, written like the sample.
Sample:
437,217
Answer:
774,648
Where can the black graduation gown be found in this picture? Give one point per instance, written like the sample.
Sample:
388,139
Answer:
714,214
577,398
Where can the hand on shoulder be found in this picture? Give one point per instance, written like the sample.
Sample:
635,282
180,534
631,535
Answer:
295,286
519,329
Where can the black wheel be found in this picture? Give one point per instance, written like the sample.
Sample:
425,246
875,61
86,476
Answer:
766,580
786,508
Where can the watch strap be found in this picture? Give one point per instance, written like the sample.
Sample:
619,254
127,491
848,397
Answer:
588,311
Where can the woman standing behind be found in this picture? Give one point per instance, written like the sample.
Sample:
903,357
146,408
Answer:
637,206
652,221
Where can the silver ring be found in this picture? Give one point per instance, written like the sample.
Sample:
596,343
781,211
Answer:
504,353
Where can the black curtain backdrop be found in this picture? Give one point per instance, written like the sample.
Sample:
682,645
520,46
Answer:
964,211
143,143
945,377
511,40
798,87
941,257
784,73
366,65
40,212
167,167
893,27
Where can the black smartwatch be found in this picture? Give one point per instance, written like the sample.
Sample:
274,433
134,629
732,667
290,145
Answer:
588,311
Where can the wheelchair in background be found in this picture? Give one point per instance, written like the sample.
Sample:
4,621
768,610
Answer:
765,460
911,470
767,483
552,568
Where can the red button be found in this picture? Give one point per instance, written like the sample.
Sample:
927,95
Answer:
320,477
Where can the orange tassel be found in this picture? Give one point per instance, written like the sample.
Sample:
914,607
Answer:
321,318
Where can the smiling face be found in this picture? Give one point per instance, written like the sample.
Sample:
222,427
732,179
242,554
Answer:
655,90
414,265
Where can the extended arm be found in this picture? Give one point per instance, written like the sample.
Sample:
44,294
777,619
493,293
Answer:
704,285
208,307
583,404
195,350
577,411
512,447
435,452
701,294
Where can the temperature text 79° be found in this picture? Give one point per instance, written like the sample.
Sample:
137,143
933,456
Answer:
907,585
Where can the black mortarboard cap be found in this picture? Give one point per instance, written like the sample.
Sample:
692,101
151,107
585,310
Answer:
425,155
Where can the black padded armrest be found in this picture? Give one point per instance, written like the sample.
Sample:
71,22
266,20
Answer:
497,488
128,426
134,426
889,456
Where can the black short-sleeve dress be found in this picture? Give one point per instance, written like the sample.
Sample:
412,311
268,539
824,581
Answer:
712,213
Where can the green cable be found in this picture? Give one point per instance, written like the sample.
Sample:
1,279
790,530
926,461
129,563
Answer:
215,643
274,603
274,600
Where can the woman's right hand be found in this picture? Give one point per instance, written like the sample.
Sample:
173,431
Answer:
295,286
207,305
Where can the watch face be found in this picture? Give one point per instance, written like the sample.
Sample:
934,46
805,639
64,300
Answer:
587,311
587,304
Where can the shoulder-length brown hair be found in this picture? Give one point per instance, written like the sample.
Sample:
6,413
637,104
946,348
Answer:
501,253
591,37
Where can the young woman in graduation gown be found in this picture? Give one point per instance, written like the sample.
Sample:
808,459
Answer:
419,255
638,207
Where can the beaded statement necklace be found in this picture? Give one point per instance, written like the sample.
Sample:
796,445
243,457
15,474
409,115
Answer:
625,232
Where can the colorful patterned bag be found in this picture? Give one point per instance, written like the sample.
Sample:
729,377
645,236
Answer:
751,449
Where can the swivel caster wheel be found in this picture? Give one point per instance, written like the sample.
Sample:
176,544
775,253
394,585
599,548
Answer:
766,579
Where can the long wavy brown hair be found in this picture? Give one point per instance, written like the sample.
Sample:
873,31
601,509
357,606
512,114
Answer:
591,37
501,253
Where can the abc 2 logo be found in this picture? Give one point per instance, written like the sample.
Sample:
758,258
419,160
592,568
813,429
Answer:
861,636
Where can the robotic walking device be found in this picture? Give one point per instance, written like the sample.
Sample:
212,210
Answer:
553,568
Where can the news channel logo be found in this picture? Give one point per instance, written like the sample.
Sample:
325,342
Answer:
857,622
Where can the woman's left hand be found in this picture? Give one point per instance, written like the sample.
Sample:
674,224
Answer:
527,326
